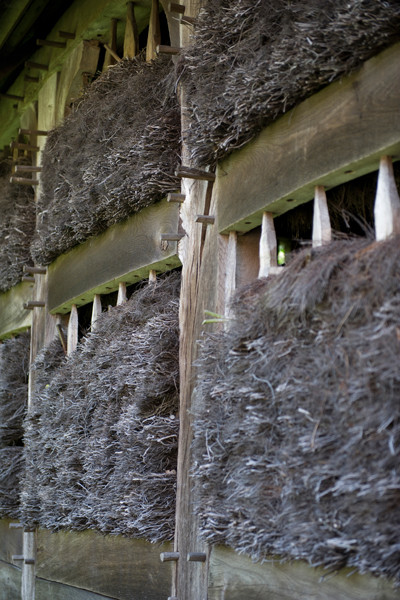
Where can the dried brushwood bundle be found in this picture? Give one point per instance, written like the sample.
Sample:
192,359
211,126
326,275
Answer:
114,155
11,468
297,419
17,227
252,60
103,435
14,370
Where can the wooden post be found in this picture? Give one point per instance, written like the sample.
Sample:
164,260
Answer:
268,246
121,294
131,39
230,271
154,37
112,45
322,232
152,276
96,310
387,202
72,336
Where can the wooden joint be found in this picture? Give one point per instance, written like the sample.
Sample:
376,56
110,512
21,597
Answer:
193,173
34,270
23,181
161,49
176,198
67,35
172,237
175,7
34,65
197,557
27,169
34,304
169,556
32,131
28,278
51,44
205,219
11,97
29,561
22,146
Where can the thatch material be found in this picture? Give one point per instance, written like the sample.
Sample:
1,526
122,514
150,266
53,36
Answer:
102,439
252,60
17,226
297,418
114,155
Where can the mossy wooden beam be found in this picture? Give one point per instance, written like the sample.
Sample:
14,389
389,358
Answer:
13,316
126,252
334,136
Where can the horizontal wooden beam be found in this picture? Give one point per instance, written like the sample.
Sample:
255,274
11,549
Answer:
13,317
337,135
126,252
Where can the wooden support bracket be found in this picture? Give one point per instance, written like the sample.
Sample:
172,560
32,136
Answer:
11,96
35,270
193,173
387,202
112,52
23,181
197,557
176,197
169,556
28,278
161,49
34,65
51,44
34,304
175,7
29,561
205,219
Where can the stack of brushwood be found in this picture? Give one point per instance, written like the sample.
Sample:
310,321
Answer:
101,440
297,417
17,226
14,367
252,60
113,155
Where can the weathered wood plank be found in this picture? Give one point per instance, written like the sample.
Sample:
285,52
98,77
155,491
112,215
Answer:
268,245
237,577
131,38
10,540
73,325
321,231
51,590
154,36
387,202
110,565
14,318
89,269
10,582
323,141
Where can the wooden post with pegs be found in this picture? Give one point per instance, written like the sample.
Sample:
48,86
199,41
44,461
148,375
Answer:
268,246
321,232
387,202
154,36
131,39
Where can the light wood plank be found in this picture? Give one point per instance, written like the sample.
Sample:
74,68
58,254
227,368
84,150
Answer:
96,310
14,318
89,269
321,231
387,202
131,39
268,245
73,324
323,141
154,37
237,577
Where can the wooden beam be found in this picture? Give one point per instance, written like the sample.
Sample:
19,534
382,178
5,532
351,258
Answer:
111,46
322,141
387,202
154,36
321,231
131,39
268,245
13,317
73,325
96,310
90,268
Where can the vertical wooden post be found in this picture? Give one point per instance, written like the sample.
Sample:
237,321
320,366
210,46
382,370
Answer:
154,37
121,299
268,246
72,337
28,570
131,39
109,59
96,310
152,276
387,202
321,232
230,272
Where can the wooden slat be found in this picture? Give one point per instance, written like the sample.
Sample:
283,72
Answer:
72,336
387,202
268,246
96,310
154,36
13,317
237,577
10,582
91,268
131,39
321,231
323,141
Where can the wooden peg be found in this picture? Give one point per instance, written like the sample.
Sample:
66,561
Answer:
27,169
193,173
72,335
34,65
169,556
67,35
17,557
22,146
111,55
11,97
176,198
197,557
152,276
34,304
160,49
175,7
96,310
32,131
122,297
387,202
28,278
23,181
154,35
51,44
63,339
321,232
268,245
205,219
34,270
172,237
131,39
29,561
31,79
185,20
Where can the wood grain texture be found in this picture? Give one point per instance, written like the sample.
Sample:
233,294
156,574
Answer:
110,565
234,577
51,590
14,318
91,268
336,135
10,582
